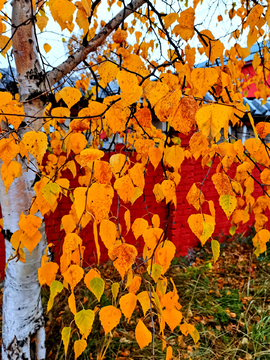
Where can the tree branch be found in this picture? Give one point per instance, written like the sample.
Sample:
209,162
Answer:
73,60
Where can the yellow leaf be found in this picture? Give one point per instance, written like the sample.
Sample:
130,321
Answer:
215,249
47,47
73,275
162,286
170,19
109,318
186,24
47,273
155,271
139,226
174,156
164,255
202,81
260,240
127,304
115,290
124,188
195,197
9,172
70,95
131,92
119,164
137,193
97,286
65,338
168,189
127,220
142,334
137,175
50,193
144,300
84,320
154,91
123,256
99,201
90,155
212,118
55,288
158,192
36,143
107,232
228,204
108,72
41,21
60,114
77,142
16,111
79,347
202,226
251,121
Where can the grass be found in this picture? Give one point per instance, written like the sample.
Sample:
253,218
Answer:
228,302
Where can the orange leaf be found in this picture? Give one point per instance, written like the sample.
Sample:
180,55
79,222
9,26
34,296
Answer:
142,334
109,317
135,284
73,275
30,224
90,155
47,273
127,304
72,304
107,233
139,226
124,188
9,172
123,256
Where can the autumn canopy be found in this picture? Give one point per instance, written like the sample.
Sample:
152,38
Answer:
137,84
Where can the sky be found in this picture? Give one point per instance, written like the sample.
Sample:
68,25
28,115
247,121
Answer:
206,18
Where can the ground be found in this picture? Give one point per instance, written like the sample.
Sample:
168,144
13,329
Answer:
228,302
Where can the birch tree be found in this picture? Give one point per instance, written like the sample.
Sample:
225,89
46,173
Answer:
30,189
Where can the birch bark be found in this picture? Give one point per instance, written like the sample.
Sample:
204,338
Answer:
23,334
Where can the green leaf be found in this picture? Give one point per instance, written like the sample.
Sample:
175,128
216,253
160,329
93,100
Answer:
97,286
84,320
155,271
55,288
232,230
115,290
65,338
50,193
228,204
215,249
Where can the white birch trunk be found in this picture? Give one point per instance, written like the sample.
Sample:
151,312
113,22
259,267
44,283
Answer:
23,333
